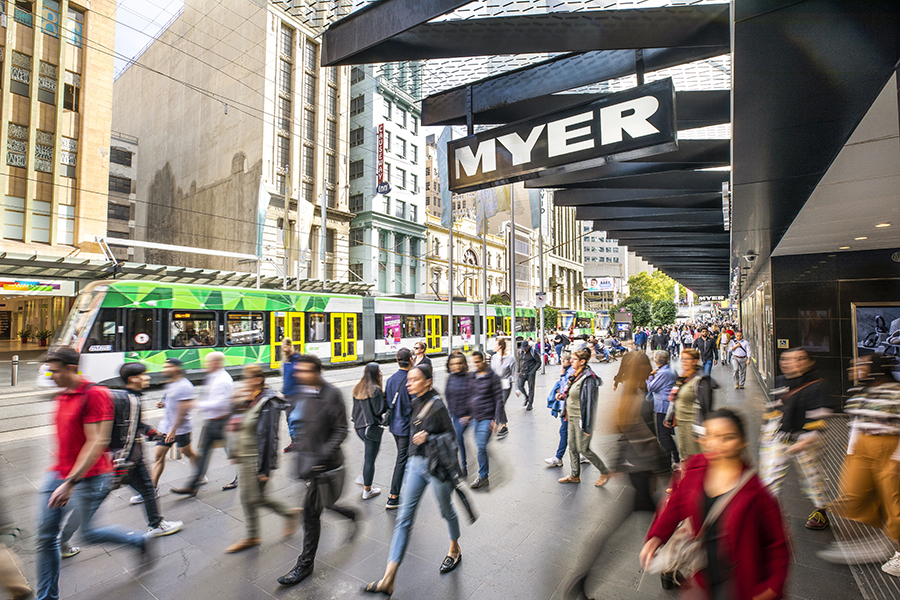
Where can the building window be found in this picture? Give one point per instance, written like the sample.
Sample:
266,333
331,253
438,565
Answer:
309,125
330,168
72,92
280,184
387,141
120,157
427,186
402,117
401,175
284,76
13,218
283,155
415,183
308,191
40,221
402,144
357,137
356,272
309,88
387,171
65,224
331,196
23,13
122,212
357,105
400,209
287,40
356,203
356,237
310,56
329,240
415,124
119,184
76,24
387,109
309,161
356,75
415,154
284,114
331,134
20,73
413,213
46,82
357,169
331,101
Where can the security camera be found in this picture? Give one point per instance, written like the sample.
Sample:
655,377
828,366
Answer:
750,257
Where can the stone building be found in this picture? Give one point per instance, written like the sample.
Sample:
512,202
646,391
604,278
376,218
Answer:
122,210
251,125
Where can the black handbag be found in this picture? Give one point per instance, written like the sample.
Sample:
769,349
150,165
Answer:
330,486
374,432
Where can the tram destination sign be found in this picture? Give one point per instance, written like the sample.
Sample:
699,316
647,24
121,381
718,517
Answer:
614,127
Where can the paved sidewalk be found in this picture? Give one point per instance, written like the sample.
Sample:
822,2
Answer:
533,537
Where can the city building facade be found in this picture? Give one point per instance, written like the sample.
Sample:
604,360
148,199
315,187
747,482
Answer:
387,145
122,210
227,159
564,262
468,260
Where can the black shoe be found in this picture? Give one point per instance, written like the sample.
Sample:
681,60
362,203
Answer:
230,486
479,483
296,575
503,432
450,563
392,504
529,407
289,448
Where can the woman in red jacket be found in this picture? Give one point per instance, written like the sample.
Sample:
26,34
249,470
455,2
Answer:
746,546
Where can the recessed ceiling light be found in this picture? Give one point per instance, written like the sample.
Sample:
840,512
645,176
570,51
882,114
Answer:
861,238
883,225
822,262
832,255
844,248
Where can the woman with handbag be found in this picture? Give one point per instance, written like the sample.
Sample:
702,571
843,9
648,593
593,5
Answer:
690,402
431,426
368,418
740,550
459,403
504,365
256,452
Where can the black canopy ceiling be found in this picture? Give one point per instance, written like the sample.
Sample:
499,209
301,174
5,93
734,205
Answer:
665,208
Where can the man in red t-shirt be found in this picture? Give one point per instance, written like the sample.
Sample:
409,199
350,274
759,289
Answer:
80,476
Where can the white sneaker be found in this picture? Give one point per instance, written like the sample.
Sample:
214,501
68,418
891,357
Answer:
360,480
584,460
137,499
370,493
553,461
203,481
892,567
166,528
68,551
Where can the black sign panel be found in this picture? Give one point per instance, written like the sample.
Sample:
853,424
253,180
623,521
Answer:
630,124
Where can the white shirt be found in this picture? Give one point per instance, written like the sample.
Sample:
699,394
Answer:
743,345
215,398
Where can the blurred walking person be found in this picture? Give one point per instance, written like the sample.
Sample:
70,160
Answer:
486,404
580,412
80,476
660,385
368,419
257,456
176,424
12,578
790,433
706,346
529,363
869,491
739,351
504,366
320,461
399,409
556,402
691,401
459,404
289,387
745,547
725,339
431,420
215,406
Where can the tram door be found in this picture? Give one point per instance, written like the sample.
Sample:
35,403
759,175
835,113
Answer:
286,324
491,330
507,325
433,333
343,337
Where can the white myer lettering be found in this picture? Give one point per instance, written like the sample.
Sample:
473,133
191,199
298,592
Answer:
559,135
613,120
521,150
486,155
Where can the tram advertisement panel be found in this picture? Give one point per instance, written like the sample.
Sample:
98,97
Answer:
392,331
465,328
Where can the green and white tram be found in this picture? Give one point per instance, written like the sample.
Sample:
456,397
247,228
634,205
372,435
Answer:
118,321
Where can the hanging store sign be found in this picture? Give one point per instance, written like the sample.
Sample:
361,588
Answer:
379,169
600,284
626,125
33,287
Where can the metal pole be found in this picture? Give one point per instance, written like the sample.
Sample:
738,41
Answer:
322,236
450,285
258,266
299,258
541,275
484,287
14,378
284,245
512,253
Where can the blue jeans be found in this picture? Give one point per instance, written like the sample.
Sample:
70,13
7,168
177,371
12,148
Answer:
563,439
482,435
460,440
414,482
86,499
559,349
707,367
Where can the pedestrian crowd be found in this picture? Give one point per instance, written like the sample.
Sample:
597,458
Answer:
718,528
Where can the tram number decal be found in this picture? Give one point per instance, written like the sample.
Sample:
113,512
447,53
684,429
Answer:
103,348
141,338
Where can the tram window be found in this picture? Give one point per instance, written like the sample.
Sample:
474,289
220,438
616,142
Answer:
139,335
191,329
317,328
359,327
445,329
245,329
102,337
583,323
413,326
379,324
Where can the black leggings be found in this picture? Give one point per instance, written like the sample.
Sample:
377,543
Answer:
371,454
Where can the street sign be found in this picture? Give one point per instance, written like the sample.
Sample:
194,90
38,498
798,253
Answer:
383,188
540,299
630,124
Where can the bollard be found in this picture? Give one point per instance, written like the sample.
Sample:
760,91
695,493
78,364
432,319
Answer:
15,370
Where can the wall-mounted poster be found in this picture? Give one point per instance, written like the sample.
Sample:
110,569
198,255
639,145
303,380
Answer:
876,328
392,331
815,331
465,329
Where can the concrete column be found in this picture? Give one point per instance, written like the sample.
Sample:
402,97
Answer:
370,253
404,261
389,285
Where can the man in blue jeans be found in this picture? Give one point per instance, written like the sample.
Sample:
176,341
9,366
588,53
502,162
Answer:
79,480
709,353
487,404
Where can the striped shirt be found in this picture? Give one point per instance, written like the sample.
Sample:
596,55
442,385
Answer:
876,410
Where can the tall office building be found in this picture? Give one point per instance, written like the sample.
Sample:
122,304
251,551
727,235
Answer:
245,122
56,106
387,235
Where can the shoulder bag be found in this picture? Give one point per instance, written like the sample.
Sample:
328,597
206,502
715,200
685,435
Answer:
684,552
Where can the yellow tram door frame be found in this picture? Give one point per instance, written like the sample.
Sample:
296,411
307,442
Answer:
507,327
296,330
433,333
343,337
491,330
278,330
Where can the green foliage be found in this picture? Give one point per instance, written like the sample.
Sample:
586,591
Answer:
498,300
663,312
25,333
638,307
657,286
43,334
551,316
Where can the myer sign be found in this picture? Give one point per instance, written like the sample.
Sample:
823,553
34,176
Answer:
630,124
